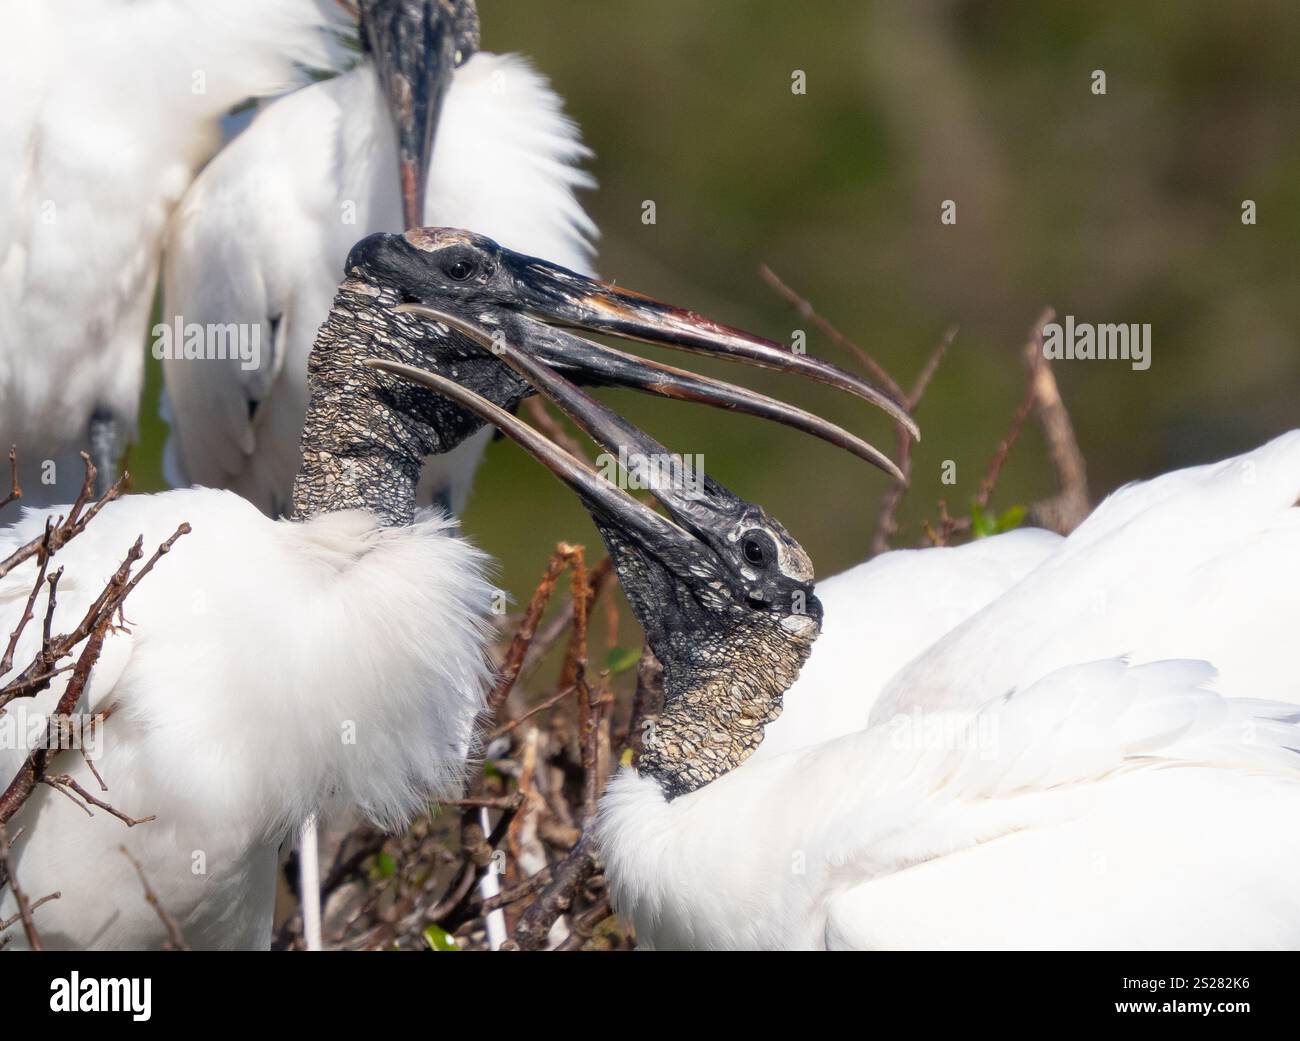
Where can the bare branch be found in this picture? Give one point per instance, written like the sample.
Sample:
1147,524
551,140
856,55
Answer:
1071,505
176,938
15,492
805,309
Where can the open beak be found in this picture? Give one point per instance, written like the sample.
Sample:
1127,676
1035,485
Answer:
416,46
597,364
605,500
559,297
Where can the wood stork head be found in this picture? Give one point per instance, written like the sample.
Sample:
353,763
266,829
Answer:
430,281
722,590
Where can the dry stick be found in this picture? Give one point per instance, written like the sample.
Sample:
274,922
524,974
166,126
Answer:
175,938
565,555
515,893
68,528
805,309
584,925
33,905
553,428
1064,512
25,906
66,785
886,519
514,658
597,579
994,471
550,702
575,672
15,492
36,676
43,556
32,772
648,697
566,877
485,802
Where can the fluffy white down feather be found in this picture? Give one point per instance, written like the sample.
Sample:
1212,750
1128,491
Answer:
110,108
267,669
1023,783
262,235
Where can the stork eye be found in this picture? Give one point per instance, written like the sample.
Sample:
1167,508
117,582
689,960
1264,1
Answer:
757,550
460,270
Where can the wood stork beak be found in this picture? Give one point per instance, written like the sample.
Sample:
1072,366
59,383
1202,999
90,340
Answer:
560,297
598,493
714,548
598,364
416,46
459,281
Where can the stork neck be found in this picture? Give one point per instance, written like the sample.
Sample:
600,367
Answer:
713,721
359,450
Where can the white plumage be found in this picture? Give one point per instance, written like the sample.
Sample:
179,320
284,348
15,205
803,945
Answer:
262,236
1086,761
110,108
267,668
880,615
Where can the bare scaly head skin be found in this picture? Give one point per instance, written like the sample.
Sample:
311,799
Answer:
406,300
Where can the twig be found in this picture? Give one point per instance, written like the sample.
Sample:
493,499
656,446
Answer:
805,309
514,658
552,427
598,578
15,492
994,471
1071,505
535,925
60,782
25,906
550,702
886,518
97,623
43,557
175,938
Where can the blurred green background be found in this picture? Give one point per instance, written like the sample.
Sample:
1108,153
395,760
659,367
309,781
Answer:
1117,208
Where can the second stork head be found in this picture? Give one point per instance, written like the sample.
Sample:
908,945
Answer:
723,592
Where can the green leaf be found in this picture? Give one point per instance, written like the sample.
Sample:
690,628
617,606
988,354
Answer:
620,659
1011,519
385,865
439,939
981,524
491,771
985,524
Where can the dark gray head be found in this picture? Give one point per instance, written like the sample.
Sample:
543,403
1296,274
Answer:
403,301
429,273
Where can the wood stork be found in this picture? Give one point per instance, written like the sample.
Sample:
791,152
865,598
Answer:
274,667
1098,759
110,108
259,239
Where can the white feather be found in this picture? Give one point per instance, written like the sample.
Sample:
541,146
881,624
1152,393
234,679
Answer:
1021,785
264,232
111,106
270,669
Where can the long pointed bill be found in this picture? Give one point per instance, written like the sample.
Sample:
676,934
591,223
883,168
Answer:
605,366
415,46
598,494
692,501
557,296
